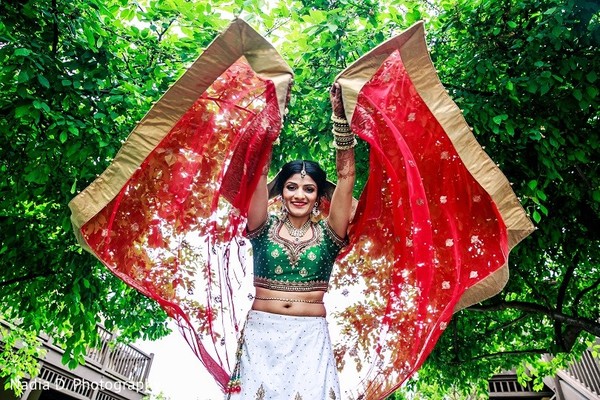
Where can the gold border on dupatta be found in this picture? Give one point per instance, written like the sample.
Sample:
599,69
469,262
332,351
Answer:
239,39
415,56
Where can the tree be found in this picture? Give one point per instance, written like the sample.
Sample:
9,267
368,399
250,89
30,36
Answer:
525,74
75,77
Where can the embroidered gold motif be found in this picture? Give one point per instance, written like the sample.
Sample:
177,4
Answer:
279,270
294,250
260,393
339,241
287,286
258,231
332,395
303,272
275,253
312,256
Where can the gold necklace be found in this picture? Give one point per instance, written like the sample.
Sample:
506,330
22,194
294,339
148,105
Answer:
296,233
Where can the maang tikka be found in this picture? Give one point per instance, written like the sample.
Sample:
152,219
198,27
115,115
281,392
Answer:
303,172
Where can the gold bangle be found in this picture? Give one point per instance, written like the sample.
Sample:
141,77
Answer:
338,120
343,145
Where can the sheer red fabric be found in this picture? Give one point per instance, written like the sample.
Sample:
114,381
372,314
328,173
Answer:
424,231
170,233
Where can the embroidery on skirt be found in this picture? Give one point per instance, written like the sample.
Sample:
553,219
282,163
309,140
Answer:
260,393
332,395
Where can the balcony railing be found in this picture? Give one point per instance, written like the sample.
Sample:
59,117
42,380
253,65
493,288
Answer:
121,360
124,362
506,385
587,372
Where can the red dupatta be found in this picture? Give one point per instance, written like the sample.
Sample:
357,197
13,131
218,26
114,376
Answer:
435,222
431,234
167,215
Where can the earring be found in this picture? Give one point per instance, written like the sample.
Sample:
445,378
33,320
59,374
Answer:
283,211
315,210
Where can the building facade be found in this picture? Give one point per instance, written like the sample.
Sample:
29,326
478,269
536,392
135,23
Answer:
115,371
581,381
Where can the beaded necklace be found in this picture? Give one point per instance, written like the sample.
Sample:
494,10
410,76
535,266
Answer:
296,233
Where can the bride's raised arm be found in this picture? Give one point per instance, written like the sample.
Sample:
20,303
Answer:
257,210
344,142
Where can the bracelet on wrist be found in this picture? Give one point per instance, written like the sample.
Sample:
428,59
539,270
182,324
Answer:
338,120
341,127
343,145
342,132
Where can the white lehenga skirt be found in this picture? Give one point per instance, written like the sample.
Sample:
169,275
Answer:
287,358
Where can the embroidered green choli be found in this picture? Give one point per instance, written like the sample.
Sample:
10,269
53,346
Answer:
285,265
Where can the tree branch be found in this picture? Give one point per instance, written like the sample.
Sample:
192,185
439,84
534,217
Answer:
580,295
161,34
277,26
54,28
586,324
560,299
535,290
507,353
510,323
25,278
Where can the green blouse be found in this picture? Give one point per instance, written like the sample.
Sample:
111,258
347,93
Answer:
285,265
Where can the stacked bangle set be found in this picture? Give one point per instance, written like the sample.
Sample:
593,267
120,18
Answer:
343,138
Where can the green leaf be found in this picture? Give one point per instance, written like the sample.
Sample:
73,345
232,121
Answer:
541,195
22,110
512,24
23,76
499,118
43,81
332,27
89,35
596,195
532,184
22,52
510,128
532,86
536,217
63,137
581,156
41,105
37,176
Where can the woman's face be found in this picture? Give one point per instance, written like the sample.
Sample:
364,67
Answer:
299,195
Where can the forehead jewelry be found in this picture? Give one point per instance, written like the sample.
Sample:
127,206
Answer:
303,172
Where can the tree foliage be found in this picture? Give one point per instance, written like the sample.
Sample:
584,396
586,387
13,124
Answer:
76,76
525,74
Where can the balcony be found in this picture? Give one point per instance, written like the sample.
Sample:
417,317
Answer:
580,381
114,371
